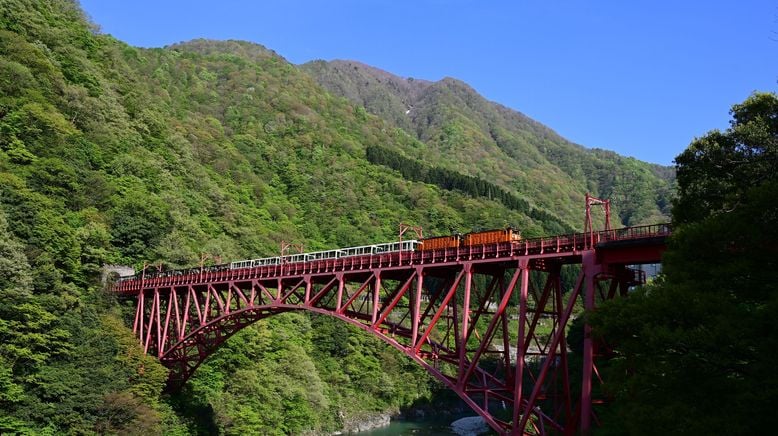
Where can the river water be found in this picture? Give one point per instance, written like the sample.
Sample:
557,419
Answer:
430,426
416,428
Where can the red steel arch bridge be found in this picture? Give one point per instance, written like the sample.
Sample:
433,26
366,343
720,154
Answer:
490,322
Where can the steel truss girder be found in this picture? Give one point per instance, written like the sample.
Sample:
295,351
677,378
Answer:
472,324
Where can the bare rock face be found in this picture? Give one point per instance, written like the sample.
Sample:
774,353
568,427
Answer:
365,423
469,426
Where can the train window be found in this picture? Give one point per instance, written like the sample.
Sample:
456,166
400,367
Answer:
410,245
358,251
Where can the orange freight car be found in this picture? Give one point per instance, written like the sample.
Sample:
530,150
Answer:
438,242
491,237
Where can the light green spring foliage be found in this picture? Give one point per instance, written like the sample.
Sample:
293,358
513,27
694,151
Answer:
293,373
113,154
453,127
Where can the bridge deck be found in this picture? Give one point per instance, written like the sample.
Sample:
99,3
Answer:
570,245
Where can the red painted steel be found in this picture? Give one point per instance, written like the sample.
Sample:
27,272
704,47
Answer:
588,225
490,322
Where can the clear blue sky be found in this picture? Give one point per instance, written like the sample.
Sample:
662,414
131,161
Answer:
642,78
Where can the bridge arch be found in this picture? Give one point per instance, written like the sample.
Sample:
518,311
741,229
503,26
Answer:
184,368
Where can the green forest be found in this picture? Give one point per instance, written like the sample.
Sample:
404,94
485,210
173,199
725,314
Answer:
220,150
456,130
694,352
473,186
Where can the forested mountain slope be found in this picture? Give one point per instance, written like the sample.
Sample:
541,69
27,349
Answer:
215,150
113,154
458,129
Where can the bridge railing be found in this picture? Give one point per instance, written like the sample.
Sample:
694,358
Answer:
570,243
637,232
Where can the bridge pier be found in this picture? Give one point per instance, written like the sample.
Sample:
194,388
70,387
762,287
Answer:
590,272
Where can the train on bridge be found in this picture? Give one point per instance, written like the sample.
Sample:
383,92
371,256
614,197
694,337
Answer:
183,315
433,243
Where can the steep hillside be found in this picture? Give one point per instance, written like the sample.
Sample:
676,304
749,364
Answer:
216,151
458,129
114,154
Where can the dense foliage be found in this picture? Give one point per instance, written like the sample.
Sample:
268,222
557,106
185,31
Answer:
295,373
473,186
114,154
695,353
456,129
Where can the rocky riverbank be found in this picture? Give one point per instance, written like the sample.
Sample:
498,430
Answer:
364,423
444,414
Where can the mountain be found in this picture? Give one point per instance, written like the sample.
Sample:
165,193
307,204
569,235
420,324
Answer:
215,150
456,128
211,151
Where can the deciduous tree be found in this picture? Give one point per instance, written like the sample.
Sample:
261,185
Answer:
695,353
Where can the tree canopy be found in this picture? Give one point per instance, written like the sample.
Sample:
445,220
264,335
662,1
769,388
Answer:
695,352
123,155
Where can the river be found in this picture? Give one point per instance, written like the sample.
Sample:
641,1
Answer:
430,426
416,428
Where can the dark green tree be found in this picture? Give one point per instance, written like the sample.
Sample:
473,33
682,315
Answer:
695,353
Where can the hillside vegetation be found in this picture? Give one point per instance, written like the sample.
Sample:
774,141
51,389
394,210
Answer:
694,353
215,150
456,128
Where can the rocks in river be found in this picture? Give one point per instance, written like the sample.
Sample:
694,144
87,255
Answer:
469,426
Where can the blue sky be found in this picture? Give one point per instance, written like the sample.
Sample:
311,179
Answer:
642,78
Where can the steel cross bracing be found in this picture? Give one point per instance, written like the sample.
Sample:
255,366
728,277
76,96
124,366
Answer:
490,322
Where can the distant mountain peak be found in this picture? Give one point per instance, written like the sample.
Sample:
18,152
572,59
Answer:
462,130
